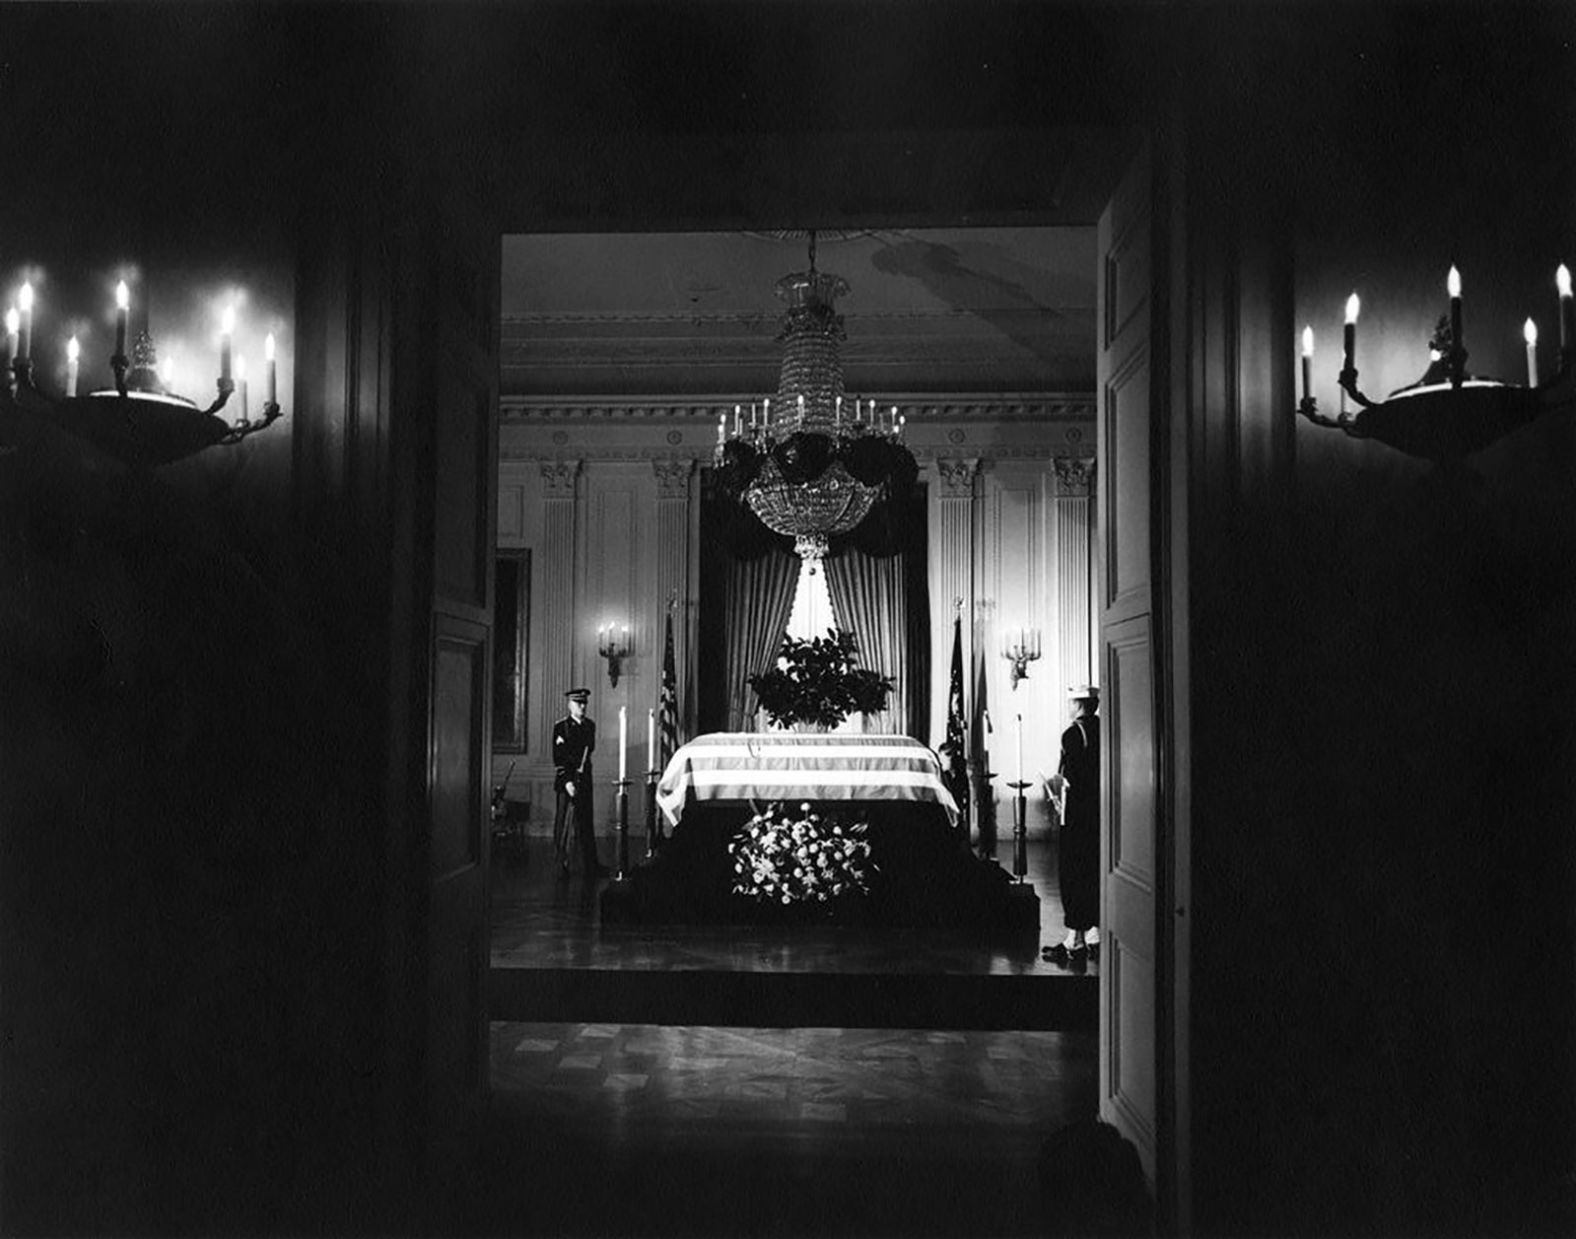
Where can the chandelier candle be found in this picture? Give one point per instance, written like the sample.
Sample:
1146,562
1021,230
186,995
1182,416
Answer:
1307,363
73,356
273,368
1457,351
226,332
1530,334
24,300
122,313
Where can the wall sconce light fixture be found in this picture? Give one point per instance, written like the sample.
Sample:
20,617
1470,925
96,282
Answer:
612,643
139,421
1448,413
1023,648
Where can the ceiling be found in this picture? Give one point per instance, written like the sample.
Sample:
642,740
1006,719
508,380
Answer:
994,309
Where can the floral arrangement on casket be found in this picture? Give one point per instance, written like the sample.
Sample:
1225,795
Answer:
808,857
819,683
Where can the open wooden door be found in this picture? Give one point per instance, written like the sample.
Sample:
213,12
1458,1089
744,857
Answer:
463,323
1131,971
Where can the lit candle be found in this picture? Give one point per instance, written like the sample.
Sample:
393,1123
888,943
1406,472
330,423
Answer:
1352,306
1019,729
73,354
801,412
837,414
13,322
722,429
893,426
1307,363
226,331
1458,351
122,313
651,739
738,422
273,368
240,383
1529,333
1562,278
901,419
623,741
167,373
24,300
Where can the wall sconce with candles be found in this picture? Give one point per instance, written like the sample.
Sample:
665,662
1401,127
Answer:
1447,413
1023,648
612,643
139,421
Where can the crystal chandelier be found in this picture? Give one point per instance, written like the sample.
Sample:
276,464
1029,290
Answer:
809,462
140,420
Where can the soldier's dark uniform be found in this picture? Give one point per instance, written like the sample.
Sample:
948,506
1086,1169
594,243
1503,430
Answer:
573,741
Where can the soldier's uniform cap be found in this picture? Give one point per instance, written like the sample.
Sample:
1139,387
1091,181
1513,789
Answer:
582,695
1084,692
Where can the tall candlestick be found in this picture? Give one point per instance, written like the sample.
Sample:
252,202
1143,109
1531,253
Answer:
1350,340
24,301
273,368
651,739
623,741
1018,727
73,354
226,332
1529,333
1562,278
1457,348
1307,363
122,312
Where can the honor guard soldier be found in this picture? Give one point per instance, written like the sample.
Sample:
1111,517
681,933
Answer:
574,737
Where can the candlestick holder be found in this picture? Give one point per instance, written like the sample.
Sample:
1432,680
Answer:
1020,830
653,822
137,422
985,805
621,800
1447,414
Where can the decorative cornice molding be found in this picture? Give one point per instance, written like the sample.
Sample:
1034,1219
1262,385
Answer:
551,457
1074,475
980,407
673,477
558,478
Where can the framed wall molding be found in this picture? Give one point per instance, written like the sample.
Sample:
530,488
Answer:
511,650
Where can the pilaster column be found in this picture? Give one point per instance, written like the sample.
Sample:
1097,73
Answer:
672,569
1074,520
557,585
954,582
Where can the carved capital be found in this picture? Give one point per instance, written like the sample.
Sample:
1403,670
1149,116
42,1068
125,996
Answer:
673,478
1074,475
558,478
957,477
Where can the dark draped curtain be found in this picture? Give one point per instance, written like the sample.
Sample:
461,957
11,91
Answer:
878,582
747,579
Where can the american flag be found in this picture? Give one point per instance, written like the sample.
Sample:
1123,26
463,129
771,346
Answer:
956,774
668,704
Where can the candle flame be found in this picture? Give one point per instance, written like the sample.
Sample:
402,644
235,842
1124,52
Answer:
73,349
1352,306
1529,333
122,296
167,370
227,322
13,321
1453,283
268,347
25,297
1307,341
1562,277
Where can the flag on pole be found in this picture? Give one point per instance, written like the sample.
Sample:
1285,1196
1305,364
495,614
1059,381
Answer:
668,704
956,773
